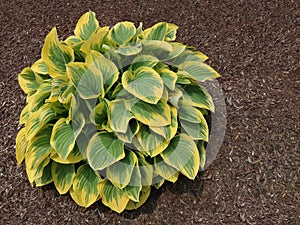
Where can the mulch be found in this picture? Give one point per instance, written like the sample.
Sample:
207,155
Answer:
254,46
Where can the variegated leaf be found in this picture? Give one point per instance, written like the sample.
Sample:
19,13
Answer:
113,197
75,156
108,69
21,145
202,154
198,71
40,67
169,78
189,113
122,32
152,143
104,149
134,187
152,115
56,55
143,60
63,176
189,56
164,170
196,95
169,131
64,135
86,26
121,172
132,129
95,41
27,80
85,190
198,131
119,116
145,193
182,154
87,80
145,84
46,178
39,147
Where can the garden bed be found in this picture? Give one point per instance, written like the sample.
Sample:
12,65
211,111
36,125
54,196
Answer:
253,45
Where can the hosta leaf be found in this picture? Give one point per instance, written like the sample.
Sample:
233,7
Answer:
152,143
132,129
27,80
158,49
21,145
196,95
183,78
72,40
122,32
144,84
202,153
34,173
66,95
104,149
108,69
158,182
152,115
85,189
169,77
36,100
86,25
164,170
63,176
142,199
58,86
79,55
168,131
171,32
156,32
39,147
99,115
189,56
113,197
165,95
39,119
162,50
119,116
199,71
95,41
40,67
146,170
198,131
177,49
87,80
189,113
121,172
56,55
46,178
160,65
75,156
129,49
64,135
24,115
143,60
174,96
183,155
134,188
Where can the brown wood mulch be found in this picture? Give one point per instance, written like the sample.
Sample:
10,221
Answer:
255,47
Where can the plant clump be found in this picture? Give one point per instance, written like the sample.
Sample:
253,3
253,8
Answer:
113,111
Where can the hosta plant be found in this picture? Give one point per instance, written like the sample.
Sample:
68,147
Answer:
113,111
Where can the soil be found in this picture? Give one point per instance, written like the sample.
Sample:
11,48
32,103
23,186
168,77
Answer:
254,45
